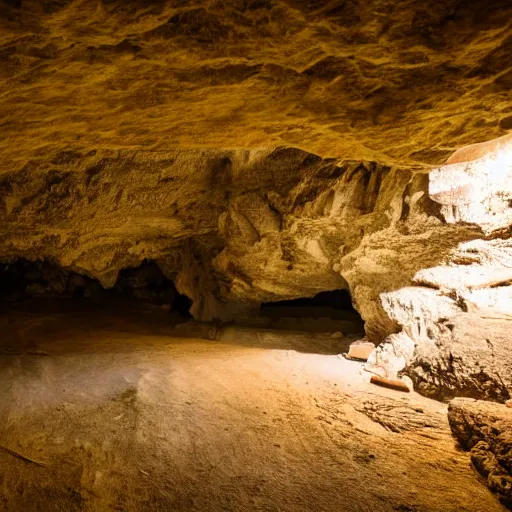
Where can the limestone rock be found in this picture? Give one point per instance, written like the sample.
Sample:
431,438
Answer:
459,311
116,117
358,79
479,191
226,246
253,226
485,429
469,357
480,150
392,355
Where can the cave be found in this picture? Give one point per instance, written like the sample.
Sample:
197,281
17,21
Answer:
44,280
329,311
255,255
328,302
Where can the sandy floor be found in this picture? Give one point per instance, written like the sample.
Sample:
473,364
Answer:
115,412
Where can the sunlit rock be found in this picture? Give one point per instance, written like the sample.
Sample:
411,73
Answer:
360,350
478,191
458,313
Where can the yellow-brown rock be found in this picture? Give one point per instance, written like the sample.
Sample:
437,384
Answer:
403,84
261,150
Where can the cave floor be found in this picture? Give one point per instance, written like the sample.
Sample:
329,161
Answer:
124,411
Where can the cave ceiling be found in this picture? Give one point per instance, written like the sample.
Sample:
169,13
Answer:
402,83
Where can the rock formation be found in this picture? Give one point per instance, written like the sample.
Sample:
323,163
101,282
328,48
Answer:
370,151
114,116
402,84
486,430
458,313
234,229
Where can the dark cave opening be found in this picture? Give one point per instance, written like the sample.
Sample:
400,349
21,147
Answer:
339,300
326,311
22,279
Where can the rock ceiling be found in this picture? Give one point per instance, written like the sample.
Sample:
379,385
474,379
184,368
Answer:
400,83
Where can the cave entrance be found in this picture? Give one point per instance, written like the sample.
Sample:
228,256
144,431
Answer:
22,280
147,283
329,311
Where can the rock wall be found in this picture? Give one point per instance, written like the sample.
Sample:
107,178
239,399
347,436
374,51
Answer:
219,223
426,255
458,313
232,228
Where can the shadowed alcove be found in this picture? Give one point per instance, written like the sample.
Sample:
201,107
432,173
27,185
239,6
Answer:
329,311
21,280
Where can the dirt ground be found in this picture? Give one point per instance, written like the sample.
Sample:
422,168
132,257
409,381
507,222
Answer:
115,410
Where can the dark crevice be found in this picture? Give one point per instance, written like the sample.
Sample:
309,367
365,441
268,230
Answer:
339,300
42,279
327,311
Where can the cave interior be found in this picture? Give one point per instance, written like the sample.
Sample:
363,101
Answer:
41,282
255,255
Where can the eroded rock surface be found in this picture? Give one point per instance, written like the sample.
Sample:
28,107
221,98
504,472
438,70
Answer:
485,429
234,229
231,228
107,108
456,317
373,80
217,222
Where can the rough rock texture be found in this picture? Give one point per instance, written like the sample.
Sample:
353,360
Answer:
231,228
458,314
234,229
485,429
375,80
112,119
196,213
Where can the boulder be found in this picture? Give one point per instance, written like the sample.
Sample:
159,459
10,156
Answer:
485,430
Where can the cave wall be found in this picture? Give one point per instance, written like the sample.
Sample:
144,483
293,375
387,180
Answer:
107,108
197,213
232,228
418,252
455,315
485,430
